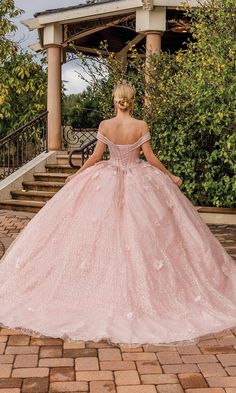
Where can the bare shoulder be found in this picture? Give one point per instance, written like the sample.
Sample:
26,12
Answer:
103,125
143,126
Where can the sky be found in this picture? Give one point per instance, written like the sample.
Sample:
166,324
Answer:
74,83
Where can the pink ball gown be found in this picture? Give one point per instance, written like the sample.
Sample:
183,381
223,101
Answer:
120,254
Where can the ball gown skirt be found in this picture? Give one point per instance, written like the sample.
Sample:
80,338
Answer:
118,254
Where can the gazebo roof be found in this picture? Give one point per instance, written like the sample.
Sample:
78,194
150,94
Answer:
73,7
120,22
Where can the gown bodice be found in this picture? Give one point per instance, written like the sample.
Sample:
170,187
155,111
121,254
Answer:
125,155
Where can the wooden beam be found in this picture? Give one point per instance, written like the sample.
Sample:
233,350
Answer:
95,29
135,41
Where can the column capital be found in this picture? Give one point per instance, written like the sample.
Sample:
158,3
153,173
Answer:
151,19
148,4
159,32
52,34
52,46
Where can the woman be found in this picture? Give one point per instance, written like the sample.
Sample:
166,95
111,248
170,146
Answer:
119,253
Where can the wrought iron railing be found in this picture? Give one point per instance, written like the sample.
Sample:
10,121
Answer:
74,137
84,152
23,144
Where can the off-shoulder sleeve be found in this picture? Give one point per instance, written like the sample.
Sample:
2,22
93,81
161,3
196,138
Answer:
141,140
146,137
101,137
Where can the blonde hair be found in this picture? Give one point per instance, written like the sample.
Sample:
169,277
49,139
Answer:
124,94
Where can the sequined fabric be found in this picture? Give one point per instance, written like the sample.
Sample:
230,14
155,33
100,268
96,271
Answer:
119,253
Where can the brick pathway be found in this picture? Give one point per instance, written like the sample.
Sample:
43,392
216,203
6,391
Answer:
43,365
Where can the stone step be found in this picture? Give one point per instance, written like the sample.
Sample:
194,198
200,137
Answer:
62,168
27,206
62,159
42,185
41,196
217,210
50,177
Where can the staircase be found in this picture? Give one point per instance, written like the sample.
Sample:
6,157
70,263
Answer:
34,194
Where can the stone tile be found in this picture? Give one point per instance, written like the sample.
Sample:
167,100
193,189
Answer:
94,376
86,364
56,362
139,356
10,382
231,370
180,368
117,365
230,390
130,348
74,345
169,358
99,344
60,374
56,387
102,387
17,350
222,382
206,390
159,348
2,347
76,353
148,367
6,359
211,369
10,390
173,388
158,379
5,370
26,361
227,359
228,340
188,350
30,372
10,332
199,358
127,377
136,389
51,351
192,380
19,340
45,341
109,354
206,343
35,385
215,349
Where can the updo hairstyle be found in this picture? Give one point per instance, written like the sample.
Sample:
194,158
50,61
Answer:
124,94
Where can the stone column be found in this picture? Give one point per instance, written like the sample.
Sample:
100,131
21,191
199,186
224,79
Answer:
54,97
153,42
52,41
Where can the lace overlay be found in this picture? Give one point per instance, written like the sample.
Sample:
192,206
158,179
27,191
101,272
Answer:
119,253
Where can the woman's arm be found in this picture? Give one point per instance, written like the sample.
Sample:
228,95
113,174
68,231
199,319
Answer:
153,160
95,157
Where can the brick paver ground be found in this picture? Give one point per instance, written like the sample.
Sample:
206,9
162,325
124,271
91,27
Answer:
42,365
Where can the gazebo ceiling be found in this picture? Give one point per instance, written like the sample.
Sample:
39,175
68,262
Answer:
120,31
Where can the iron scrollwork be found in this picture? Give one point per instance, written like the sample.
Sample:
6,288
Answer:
23,144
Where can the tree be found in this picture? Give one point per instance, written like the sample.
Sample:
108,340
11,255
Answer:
22,77
191,102
82,110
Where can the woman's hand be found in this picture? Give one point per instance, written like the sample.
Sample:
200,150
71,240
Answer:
176,179
69,178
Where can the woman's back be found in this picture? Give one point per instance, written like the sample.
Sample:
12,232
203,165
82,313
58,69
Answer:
122,131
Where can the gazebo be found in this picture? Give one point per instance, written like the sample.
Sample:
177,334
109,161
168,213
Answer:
157,24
